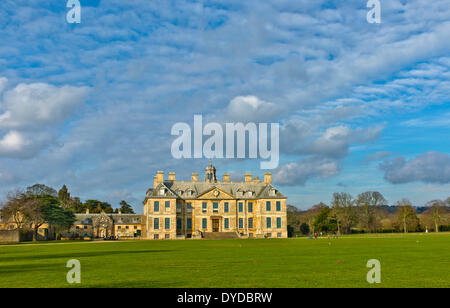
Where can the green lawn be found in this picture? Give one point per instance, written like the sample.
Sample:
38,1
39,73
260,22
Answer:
418,260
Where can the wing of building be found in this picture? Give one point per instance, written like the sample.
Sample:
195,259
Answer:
214,209
103,225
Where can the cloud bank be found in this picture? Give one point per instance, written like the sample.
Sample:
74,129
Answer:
430,167
30,113
336,84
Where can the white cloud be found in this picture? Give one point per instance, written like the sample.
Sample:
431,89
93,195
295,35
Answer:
15,144
297,173
251,109
431,167
37,104
12,142
326,152
30,114
443,120
334,142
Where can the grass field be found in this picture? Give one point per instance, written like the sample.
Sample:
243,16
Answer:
413,260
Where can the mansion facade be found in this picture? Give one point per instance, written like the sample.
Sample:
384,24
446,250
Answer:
214,209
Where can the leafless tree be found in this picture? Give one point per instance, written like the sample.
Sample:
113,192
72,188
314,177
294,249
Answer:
344,211
14,209
34,215
407,217
368,203
437,209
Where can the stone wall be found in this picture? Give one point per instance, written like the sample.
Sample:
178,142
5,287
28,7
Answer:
9,236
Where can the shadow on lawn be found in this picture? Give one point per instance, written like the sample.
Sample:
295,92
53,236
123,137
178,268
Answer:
22,268
132,284
75,255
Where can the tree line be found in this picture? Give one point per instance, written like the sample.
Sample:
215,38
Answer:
369,213
39,204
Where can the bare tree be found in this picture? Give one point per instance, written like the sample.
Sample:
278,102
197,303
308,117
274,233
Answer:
344,211
407,217
41,190
437,208
26,210
34,215
368,203
14,208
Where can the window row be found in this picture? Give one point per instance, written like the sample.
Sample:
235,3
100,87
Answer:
250,224
269,222
118,227
226,223
156,206
156,222
126,227
215,206
269,206
166,223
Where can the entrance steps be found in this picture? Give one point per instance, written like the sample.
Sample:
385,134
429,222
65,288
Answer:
219,235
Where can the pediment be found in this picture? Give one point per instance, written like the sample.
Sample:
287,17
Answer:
215,193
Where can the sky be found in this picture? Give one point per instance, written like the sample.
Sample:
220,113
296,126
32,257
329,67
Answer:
361,106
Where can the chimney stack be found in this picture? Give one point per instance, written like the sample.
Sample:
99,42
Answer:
256,180
194,177
159,177
226,178
119,211
87,211
172,176
155,181
268,178
248,177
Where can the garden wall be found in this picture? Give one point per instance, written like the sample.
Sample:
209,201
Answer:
9,236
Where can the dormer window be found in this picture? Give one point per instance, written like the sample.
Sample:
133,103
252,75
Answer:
249,193
189,192
272,192
162,191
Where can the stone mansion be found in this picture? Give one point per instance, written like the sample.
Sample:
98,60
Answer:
214,209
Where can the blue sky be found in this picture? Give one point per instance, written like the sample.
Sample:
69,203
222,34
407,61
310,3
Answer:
361,106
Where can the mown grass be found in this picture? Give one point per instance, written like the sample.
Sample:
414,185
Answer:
418,260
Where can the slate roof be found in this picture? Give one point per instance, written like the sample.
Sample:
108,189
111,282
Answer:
118,219
192,190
